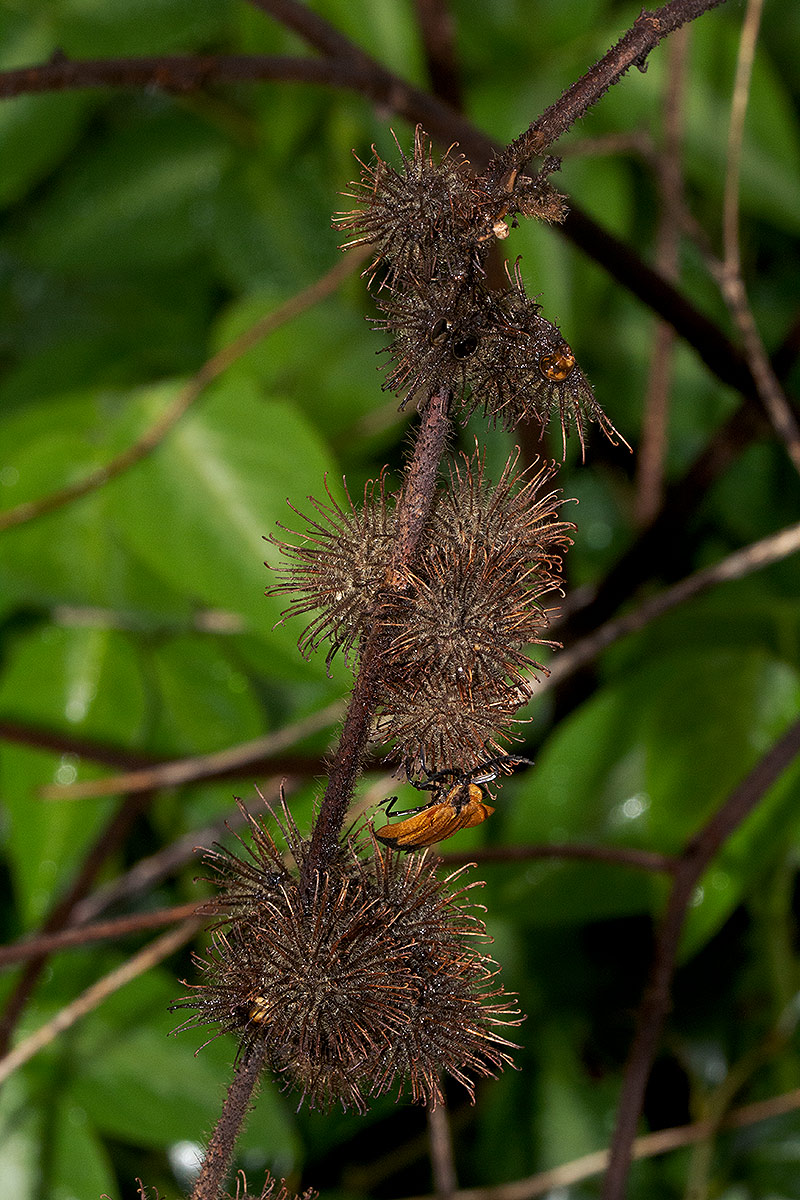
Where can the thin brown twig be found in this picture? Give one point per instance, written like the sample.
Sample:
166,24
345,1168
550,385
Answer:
142,877
71,939
237,1104
199,766
111,835
210,371
690,867
653,441
755,557
729,271
443,1166
648,1146
68,1016
622,856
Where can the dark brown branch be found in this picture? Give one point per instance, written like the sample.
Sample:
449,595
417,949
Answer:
110,837
632,49
369,78
692,864
755,557
56,740
437,28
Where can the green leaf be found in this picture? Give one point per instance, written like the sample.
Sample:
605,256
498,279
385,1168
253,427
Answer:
36,132
205,703
19,1138
139,1084
644,763
573,1112
85,682
46,1145
223,475
334,400
73,556
135,203
89,28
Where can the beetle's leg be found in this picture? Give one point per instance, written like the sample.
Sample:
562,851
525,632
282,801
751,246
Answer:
498,762
390,802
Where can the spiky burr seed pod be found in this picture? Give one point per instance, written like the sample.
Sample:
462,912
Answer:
437,330
516,517
436,725
339,567
527,371
268,1192
493,350
456,645
365,980
243,1192
425,221
468,619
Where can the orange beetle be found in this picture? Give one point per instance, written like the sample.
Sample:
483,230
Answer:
459,805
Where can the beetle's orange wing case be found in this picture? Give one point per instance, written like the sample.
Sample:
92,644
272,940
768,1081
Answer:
435,823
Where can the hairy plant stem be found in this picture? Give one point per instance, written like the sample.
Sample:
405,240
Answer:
223,1140
631,50
413,510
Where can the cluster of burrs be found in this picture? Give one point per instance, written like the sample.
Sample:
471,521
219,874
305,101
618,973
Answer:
349,968
431,226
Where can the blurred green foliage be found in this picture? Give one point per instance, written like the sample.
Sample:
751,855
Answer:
141,232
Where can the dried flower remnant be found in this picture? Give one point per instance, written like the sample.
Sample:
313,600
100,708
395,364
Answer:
339,567
366,981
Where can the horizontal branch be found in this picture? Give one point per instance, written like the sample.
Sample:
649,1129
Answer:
622,856
69,939
94,995
648,1146
199,766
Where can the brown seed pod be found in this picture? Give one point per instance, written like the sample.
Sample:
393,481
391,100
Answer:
339,568
435,723
527,371
424,220
516,516
357,984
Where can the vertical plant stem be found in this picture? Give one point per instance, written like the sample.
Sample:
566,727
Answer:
443,1165
652,447
414,508
223,1139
